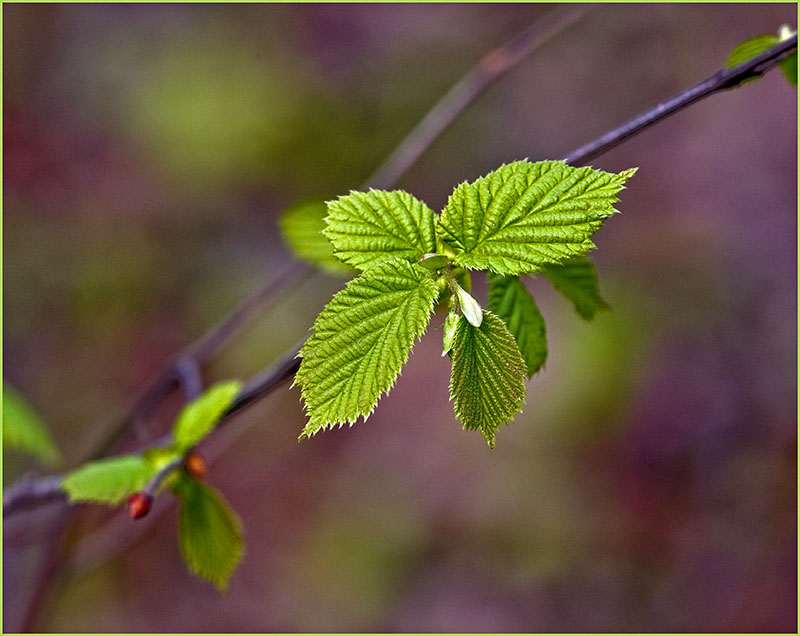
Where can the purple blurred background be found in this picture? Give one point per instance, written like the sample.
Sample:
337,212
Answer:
649,485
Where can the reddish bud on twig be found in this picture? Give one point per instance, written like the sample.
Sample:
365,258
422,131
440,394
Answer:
139,504
195,465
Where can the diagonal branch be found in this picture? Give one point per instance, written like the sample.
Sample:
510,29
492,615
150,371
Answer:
491,68
183,370
30,491
719,81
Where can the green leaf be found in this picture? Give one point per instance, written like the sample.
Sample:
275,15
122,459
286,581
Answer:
576,279
209,532
108,481
23,429
469,307
511,301
526,215
487,383
366,228
450,325
750,48
789,68
301,227
361,341
755,46
201,415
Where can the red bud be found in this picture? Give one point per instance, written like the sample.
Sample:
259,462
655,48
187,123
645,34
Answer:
139,504
196,466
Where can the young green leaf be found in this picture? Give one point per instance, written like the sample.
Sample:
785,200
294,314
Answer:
755,46
511,301
108,481
301,227
487,383
525,215
209,532
366,228
361,341
201,415
576,279
450,325
469,307
23,428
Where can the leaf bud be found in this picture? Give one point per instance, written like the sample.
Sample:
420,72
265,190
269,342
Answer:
139,504
195,465
433,261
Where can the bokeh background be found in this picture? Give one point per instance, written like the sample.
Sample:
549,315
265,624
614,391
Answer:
649,485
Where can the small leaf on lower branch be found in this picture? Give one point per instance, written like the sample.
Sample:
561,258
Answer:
209,532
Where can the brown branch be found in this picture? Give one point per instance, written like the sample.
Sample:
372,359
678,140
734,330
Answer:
492,66
183,368
275,375
719,81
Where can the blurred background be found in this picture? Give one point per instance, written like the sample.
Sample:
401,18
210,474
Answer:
649,485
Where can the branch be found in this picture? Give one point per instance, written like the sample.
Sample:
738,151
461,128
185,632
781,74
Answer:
31,490
275,375
183,370
492,66
719,81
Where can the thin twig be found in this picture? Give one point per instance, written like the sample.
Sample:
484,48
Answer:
29,491
184,368
492,66
276,374
719,81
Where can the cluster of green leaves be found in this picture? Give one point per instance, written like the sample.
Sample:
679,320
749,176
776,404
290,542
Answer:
521,219
755,46
209,531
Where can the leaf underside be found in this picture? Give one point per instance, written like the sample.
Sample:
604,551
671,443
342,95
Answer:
487,383
576,279
511,301
209,532
367,228
108,481
361,341
301,227
525,215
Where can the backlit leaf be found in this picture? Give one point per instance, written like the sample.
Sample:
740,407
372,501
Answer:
511,301
201,415
108,481
301,227
209,532
525,215
23,429
487,383
755,46
469,307
361,341
367,228
576,279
